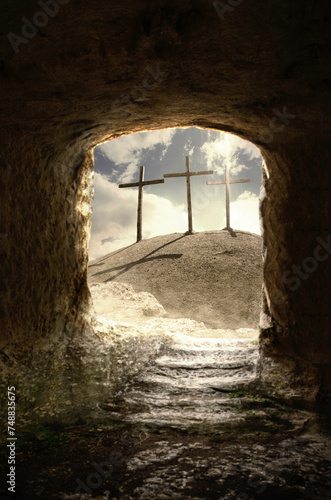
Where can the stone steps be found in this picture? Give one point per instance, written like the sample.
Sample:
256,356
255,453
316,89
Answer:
188,386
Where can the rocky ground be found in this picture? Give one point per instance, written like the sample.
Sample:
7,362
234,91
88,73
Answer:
119,303
192,423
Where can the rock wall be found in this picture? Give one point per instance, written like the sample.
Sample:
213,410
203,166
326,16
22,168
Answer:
86,72
297,265
45,235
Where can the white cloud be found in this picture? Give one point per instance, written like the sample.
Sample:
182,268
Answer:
115,210
188,147
225,152
115,217
128,150
128,174
244,213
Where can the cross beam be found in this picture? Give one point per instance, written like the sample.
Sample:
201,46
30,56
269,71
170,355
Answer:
140,184
227,182
188,176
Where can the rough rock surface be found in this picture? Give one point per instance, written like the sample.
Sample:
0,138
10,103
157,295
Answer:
93,71
119,302
193,424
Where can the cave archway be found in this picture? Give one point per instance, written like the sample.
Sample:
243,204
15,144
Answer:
130,68
214,278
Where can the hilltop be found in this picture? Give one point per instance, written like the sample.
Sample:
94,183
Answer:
213,277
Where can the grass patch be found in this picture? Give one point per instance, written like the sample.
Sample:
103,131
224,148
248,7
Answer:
237,394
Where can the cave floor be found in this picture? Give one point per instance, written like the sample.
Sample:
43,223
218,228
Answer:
192,425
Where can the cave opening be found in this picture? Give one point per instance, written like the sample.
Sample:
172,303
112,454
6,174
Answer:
199,292
212,277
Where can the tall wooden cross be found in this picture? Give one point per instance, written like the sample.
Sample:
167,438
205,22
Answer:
140,184
188,176
227,182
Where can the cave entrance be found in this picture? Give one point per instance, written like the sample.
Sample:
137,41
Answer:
211,278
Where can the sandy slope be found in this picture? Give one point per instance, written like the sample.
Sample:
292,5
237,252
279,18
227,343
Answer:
211,277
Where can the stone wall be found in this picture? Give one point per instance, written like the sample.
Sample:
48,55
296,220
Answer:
95,71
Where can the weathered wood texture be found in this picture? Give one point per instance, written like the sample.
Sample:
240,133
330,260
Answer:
188,174
227,182
140,184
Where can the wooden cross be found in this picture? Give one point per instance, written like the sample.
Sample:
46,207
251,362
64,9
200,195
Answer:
188,176
140,184
228,182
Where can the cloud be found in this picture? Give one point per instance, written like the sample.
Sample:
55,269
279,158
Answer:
244,213
115,210
114,223
228,150
115,216
127,151
188,148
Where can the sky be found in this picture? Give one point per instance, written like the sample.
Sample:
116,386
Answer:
114,219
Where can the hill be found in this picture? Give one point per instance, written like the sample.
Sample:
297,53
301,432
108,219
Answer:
213,277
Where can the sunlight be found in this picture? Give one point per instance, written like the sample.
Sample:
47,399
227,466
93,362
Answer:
165,210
